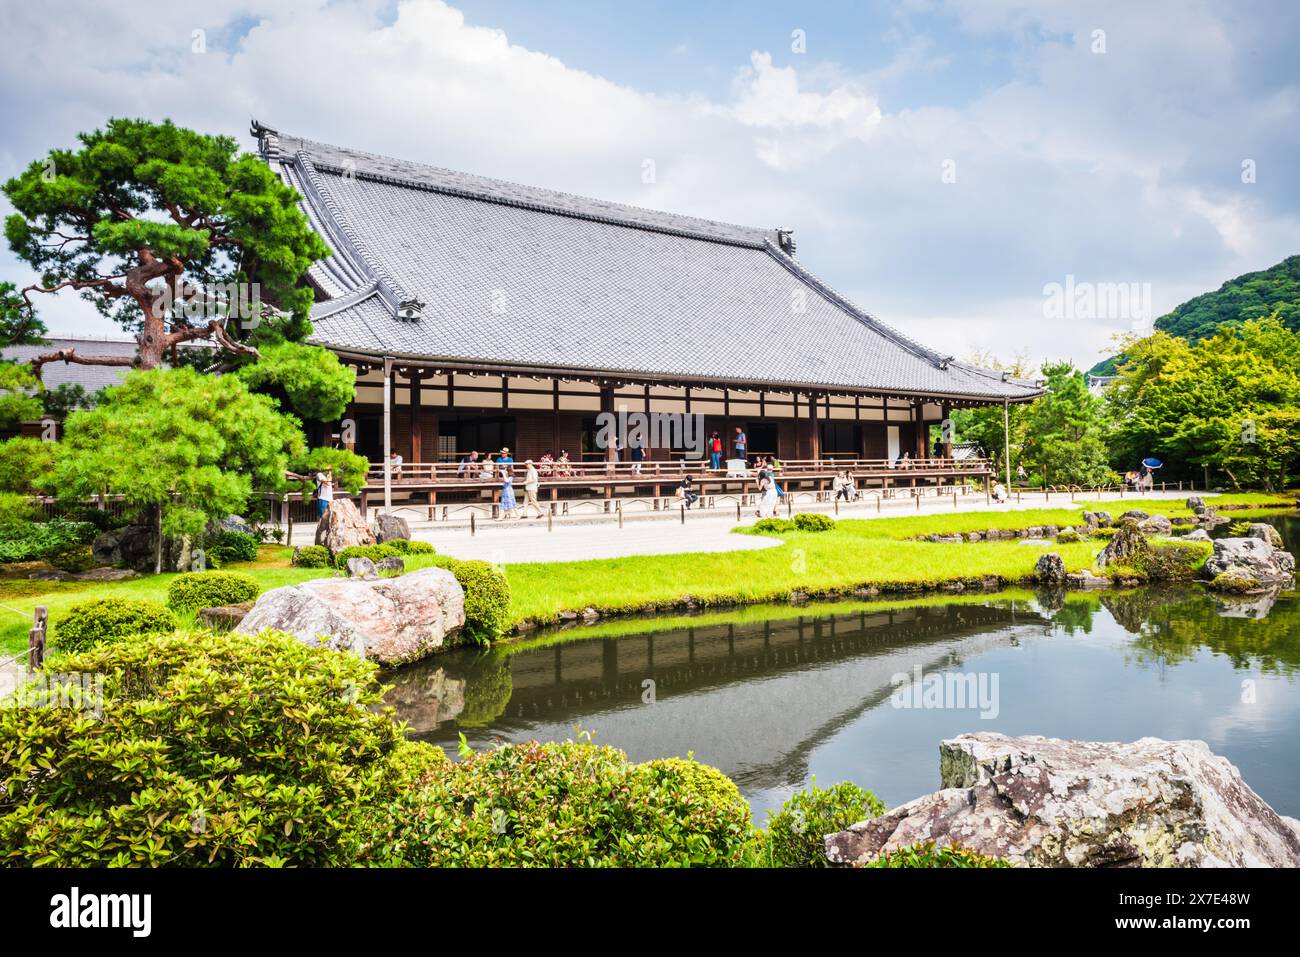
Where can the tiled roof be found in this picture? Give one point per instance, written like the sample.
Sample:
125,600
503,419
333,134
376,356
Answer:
516,276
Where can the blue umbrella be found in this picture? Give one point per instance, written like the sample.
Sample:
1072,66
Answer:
1152,463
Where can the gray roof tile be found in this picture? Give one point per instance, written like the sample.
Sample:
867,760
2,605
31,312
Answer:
520,276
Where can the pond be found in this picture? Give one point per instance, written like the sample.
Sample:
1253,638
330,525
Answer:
778,695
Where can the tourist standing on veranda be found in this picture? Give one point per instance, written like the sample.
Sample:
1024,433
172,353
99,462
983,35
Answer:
741,444
509,507
531,484
715,451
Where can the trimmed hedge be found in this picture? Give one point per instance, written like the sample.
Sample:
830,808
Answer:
104,620
372,552
774,525
794,836
228,545
564,805
210,750
813,522
487,597
194,590
312,556
405,546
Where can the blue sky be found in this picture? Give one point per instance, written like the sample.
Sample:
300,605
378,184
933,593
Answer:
942,162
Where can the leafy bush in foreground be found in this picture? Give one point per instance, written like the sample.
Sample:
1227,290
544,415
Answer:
194,590
564,805
212,749
103,620
795,834
769,526
927,855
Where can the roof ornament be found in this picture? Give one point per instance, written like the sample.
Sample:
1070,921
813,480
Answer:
409,310
785,239
1006,375
268,140
943,363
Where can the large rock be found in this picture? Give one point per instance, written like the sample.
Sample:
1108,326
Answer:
1050,569
1136,514
388,527
135,547
1265,532
1156,525
390,620
342,527
1125,545
224,617
1044,802
1247,558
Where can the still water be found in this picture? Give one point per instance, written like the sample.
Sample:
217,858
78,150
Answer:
775,696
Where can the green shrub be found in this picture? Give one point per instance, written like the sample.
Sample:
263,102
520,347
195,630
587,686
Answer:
1068,536
926,854
312,556
228,545
795,834
404,546
72,558
25,464
211,750
32,541
769,526
194,590
813,522
487,600
372,552
564,805
104,620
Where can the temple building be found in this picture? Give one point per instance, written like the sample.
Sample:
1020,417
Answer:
510,316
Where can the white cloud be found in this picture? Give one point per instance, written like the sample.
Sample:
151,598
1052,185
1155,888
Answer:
1119,167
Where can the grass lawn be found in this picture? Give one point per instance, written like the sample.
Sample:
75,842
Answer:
858,552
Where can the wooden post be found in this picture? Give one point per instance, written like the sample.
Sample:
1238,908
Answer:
388,434
417,440
471,523
36,638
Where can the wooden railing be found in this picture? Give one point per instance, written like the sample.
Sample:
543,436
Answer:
468,475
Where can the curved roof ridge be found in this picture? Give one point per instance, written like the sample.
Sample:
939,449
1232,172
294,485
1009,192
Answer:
378,167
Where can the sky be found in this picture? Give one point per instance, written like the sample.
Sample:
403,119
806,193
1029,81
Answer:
990,176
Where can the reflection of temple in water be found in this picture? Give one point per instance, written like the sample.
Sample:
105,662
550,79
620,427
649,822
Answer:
752,699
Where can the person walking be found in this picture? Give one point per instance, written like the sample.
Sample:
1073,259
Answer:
509,507
741,444
637,455
531,484
843,487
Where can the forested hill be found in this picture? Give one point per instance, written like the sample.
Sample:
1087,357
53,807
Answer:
1251,296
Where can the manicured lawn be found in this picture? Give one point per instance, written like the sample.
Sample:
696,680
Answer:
877,552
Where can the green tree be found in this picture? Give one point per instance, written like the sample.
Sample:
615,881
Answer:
985,426
1065,429
311,381
1229,403
168,232
189,447
19,395
18,324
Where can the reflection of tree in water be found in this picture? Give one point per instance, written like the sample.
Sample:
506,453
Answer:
1075,615
488,686
1172,625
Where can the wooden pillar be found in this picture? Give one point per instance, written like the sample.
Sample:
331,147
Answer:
607,405
814,429
417,438
946,430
